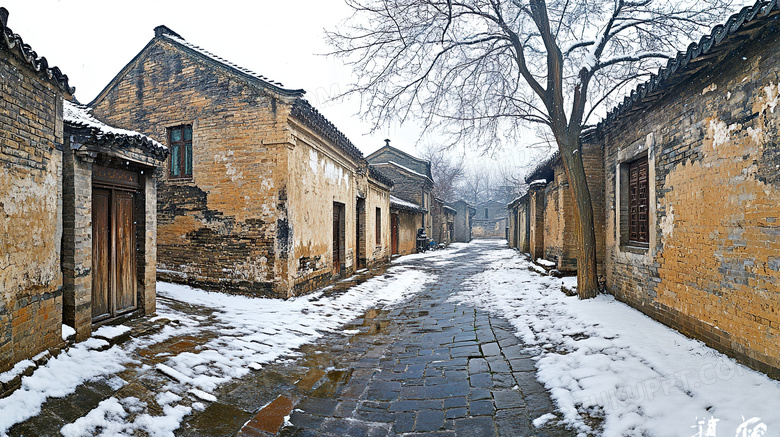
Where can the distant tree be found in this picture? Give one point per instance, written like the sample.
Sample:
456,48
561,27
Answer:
447,169
478,69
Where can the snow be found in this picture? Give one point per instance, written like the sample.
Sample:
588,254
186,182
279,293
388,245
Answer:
544,262
396,201
604,359
78,114
111,331
15,371
249,334
59,377
538,181
67,332
542,420
407,169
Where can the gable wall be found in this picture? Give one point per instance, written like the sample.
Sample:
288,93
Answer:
227,228
30,187
712,269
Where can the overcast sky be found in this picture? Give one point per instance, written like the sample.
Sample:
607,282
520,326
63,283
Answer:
92,40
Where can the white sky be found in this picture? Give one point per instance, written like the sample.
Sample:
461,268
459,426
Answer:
92,40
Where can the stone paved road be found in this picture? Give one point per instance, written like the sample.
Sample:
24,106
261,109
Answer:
426,367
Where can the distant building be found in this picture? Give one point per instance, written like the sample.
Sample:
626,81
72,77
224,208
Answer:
262,194
464,214
490,220
412,188
443,222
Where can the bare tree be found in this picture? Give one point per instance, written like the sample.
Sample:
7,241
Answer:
477,69
477,185
447,171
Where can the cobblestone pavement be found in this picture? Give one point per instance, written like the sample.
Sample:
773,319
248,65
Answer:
424,367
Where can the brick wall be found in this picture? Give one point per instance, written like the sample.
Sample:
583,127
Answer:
227,228
408,223
30,187
462,222
712,268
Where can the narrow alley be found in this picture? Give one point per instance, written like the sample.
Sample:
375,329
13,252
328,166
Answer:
467,341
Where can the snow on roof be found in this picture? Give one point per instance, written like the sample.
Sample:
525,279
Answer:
538,181
80,115
394,201
173,36
407,169
13,43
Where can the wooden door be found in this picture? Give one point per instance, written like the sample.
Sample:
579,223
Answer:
336,241
113,253
124,250
394,233
101,253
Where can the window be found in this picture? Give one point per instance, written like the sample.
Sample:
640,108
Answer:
486,213
180,140
638,202
379,226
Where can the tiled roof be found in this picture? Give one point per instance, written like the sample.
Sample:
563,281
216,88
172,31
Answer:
79,116
404,205
305,112
301,110
166,32
12,43
374,173
745,20
544,169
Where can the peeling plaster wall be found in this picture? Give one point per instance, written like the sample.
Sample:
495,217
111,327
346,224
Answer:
713,266
228,227
30,214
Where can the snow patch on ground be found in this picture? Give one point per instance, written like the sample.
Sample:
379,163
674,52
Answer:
111,331
603,359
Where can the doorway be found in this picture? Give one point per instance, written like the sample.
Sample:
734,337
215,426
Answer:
394,233
360,233
113,252
338,238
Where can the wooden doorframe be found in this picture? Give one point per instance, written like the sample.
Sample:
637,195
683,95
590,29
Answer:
120,186
339,237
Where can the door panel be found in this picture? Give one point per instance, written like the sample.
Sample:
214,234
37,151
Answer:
101,255
125,251
336,241
394,233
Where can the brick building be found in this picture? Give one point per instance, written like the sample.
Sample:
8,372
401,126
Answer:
443,217
413,191
684,179
490,220
464,214
54,157
262,194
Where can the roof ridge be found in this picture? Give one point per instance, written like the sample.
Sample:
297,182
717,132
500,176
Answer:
165,32
708,41
304,111
14,44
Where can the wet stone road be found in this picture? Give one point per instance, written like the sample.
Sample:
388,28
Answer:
424,367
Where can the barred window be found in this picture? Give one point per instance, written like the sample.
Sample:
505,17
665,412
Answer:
638,201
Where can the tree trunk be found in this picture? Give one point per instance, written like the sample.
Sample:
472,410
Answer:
587,280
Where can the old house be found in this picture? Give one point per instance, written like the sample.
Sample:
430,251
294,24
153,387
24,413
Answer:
519,226
684,176
411,208
490,220
84,193
262,194
443,217
109,214
692,191
464,214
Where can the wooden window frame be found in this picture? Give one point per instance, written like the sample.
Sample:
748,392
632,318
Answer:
638,189
180,148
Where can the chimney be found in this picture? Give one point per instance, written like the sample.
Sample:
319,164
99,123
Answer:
4,16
